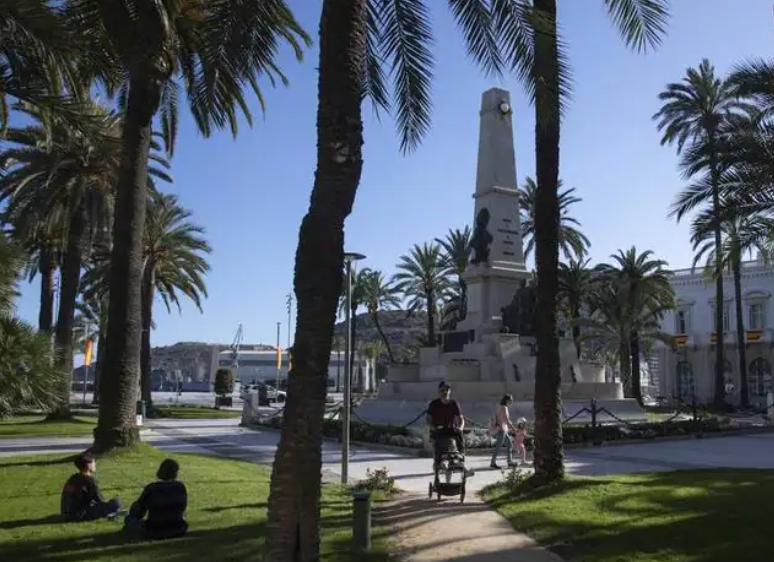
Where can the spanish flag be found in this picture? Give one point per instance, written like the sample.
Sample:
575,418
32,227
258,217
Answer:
89,349
279,358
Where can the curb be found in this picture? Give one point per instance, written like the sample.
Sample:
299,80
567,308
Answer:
481,452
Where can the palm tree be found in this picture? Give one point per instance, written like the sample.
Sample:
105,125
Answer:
359,41
379,294
456,255
37,52
617,314
641,24
61,181
28,378
212,50
175,265
577,284
357,299
572,242
644,286
741,232
696,114
423,279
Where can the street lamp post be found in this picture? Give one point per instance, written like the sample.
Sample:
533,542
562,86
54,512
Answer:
349,257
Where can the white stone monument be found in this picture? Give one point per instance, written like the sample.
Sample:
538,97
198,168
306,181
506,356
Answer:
478,359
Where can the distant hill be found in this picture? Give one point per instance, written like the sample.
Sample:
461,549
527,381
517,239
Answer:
194,359
402,331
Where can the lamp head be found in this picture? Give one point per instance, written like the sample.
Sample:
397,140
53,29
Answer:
504,107
350,257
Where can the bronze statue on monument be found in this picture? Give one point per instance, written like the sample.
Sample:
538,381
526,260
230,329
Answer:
481,239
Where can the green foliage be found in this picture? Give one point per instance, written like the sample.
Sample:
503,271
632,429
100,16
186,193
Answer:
27,377
224,382
378,480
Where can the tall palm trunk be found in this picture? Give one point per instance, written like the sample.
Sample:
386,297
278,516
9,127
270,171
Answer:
100,363
430,298
720,393
147,322
387,346
294,500
549,452
338,368
116,426
744,391
576,332
634,347
70,280
47,269
352,344
625,366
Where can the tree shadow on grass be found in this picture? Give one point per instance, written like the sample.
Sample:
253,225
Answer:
69,459
702,516
104,541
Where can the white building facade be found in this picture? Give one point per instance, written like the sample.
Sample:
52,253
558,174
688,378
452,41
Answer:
261,366
687,369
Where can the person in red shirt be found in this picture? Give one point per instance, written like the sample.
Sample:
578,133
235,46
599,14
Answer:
81,497
444,416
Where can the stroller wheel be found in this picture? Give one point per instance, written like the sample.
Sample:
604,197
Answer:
430,491
462,493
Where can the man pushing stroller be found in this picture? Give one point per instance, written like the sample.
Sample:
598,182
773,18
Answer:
446,424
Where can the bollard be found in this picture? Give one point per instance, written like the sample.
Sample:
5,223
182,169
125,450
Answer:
361,520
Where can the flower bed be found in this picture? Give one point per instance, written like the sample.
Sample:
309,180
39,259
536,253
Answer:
478,438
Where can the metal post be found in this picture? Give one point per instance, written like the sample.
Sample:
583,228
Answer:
347,386
279,360
361,520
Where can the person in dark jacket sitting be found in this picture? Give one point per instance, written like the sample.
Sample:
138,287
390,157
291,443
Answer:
81,498
164,502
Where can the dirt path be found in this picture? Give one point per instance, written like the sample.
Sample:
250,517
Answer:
430,531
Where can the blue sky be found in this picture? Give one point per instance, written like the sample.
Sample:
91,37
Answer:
251,193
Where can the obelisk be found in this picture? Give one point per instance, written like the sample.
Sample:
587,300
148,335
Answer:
497,261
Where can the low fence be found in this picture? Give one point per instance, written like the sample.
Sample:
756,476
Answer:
599,425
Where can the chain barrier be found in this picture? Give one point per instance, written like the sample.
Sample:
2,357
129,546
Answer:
357,417
576,414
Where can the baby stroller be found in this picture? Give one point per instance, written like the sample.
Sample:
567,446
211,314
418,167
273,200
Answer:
450,472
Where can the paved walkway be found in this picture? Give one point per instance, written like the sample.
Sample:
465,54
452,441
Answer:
431,531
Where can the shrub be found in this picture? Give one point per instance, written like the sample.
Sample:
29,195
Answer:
378,480
224,382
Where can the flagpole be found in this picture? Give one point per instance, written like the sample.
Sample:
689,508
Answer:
279,357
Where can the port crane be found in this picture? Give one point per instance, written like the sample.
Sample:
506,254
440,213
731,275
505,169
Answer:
235,349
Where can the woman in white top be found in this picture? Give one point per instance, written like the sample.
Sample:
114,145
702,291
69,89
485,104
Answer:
500,428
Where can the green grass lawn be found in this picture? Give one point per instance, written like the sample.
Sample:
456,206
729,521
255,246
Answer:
195,413
36,426
226,512
685,516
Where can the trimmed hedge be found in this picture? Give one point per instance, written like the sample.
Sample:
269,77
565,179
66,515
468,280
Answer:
376,433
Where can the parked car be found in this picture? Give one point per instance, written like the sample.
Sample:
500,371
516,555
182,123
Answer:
272,393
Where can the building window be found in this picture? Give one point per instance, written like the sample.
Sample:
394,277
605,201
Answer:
683,321
685,386
726,317
757,320
759,377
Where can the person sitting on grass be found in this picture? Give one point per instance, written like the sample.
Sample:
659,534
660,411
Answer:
81,498
164,502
